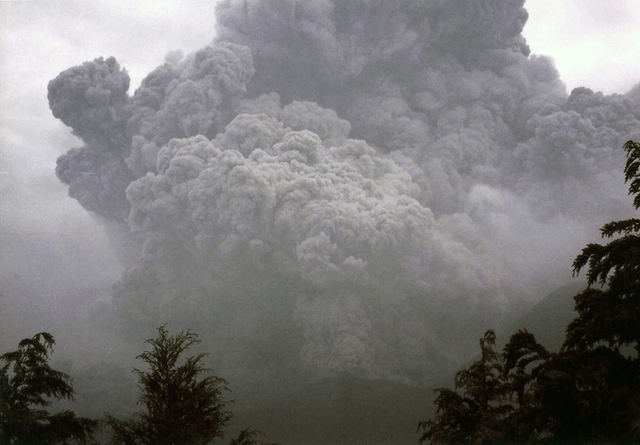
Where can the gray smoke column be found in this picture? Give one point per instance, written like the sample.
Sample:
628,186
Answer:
350,185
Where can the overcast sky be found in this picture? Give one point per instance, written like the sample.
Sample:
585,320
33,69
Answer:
595,43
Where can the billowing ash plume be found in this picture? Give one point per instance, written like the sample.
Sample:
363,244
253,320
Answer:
92,99
352,181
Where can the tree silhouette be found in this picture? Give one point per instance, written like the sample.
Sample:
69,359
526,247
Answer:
475,414
588,392
610,314
603,341
27,385
183,403
249,436
523,358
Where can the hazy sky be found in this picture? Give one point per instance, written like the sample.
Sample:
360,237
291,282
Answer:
595,43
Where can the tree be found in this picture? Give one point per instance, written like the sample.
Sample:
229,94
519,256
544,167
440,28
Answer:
499,401
249,436
474,415
523,358
610,314
183,403
603,341
27,385
588,392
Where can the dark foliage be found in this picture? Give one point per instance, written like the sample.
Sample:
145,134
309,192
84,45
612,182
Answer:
183,403
610,314
249,436
588,396
588,392
493,400
603,341
473,413
522,359
27,386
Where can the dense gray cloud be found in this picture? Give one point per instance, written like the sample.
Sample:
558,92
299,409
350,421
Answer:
92,99
373,174
340,221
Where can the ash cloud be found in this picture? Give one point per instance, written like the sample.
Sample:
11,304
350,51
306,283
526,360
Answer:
363,178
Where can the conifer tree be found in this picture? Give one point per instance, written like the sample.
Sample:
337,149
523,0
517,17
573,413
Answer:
183,402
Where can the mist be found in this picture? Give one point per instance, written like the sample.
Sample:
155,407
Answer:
327,191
